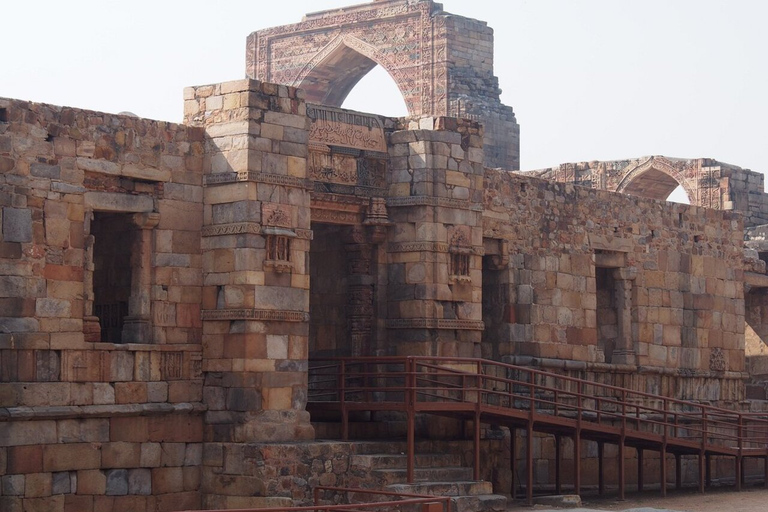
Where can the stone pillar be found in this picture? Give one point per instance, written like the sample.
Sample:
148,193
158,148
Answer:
435,251
137,327
91,326
624,352
360,290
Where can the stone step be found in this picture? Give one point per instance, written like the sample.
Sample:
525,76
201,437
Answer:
373,461
482,503
445,474
445,488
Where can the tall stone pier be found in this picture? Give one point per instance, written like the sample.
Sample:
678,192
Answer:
255,241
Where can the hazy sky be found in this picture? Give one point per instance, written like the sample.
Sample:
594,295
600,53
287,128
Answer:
588,79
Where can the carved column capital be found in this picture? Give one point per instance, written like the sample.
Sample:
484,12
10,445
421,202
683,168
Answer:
148,220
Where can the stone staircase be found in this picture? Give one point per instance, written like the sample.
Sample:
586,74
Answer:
437,474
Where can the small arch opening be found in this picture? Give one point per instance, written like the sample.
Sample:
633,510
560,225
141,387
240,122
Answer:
377,93
679,196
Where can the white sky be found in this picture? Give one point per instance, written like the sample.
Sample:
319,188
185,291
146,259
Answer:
588,79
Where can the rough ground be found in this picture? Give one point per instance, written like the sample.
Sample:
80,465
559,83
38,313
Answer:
750,500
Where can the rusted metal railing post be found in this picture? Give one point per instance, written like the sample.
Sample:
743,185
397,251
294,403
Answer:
343,401
410,398
739,457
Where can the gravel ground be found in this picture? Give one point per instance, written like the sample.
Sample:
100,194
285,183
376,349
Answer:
750,500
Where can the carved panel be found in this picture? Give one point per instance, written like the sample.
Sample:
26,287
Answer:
336,127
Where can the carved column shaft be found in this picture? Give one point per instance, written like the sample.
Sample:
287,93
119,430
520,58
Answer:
624,353
136,328
360,292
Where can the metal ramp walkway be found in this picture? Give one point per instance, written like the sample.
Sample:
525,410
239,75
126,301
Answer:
490,392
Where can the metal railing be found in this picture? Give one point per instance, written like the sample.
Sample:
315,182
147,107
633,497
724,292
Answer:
486,388
402,502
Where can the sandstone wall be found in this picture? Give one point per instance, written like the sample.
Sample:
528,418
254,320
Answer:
87,425
685,263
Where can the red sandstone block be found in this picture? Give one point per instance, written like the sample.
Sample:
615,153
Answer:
185,391
167,480
63,273
92,481
188,315
130,392
37,485
179,429
78,503
133,430
68,457
25,459
120,455
178,501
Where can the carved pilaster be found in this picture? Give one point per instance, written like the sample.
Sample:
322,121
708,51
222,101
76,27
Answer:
137,325
360,293
624,353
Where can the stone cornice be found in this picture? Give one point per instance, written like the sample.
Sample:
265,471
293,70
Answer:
251,228
225,178
444,202
427,247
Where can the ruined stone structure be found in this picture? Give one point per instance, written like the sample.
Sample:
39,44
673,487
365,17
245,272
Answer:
706,182
442,63
164,287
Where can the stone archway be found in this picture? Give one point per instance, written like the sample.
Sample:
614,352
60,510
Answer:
329,77
655,178
442,63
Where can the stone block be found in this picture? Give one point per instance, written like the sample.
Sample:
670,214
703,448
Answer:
117,482
64,482
28,433
17,225
151,454
130,392
92,481
68,457
12,485
172,454
167,480
25,459
140,482
37,485
120,455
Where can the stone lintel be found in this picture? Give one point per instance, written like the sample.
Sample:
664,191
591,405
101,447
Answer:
755,280
610,243
114,202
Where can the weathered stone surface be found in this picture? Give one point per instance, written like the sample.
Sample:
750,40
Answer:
17,225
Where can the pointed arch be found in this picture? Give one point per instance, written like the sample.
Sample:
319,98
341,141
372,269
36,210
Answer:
331,74
655,178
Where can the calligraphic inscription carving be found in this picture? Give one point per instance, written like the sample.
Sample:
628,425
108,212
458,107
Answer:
172,365
436,323
337,127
